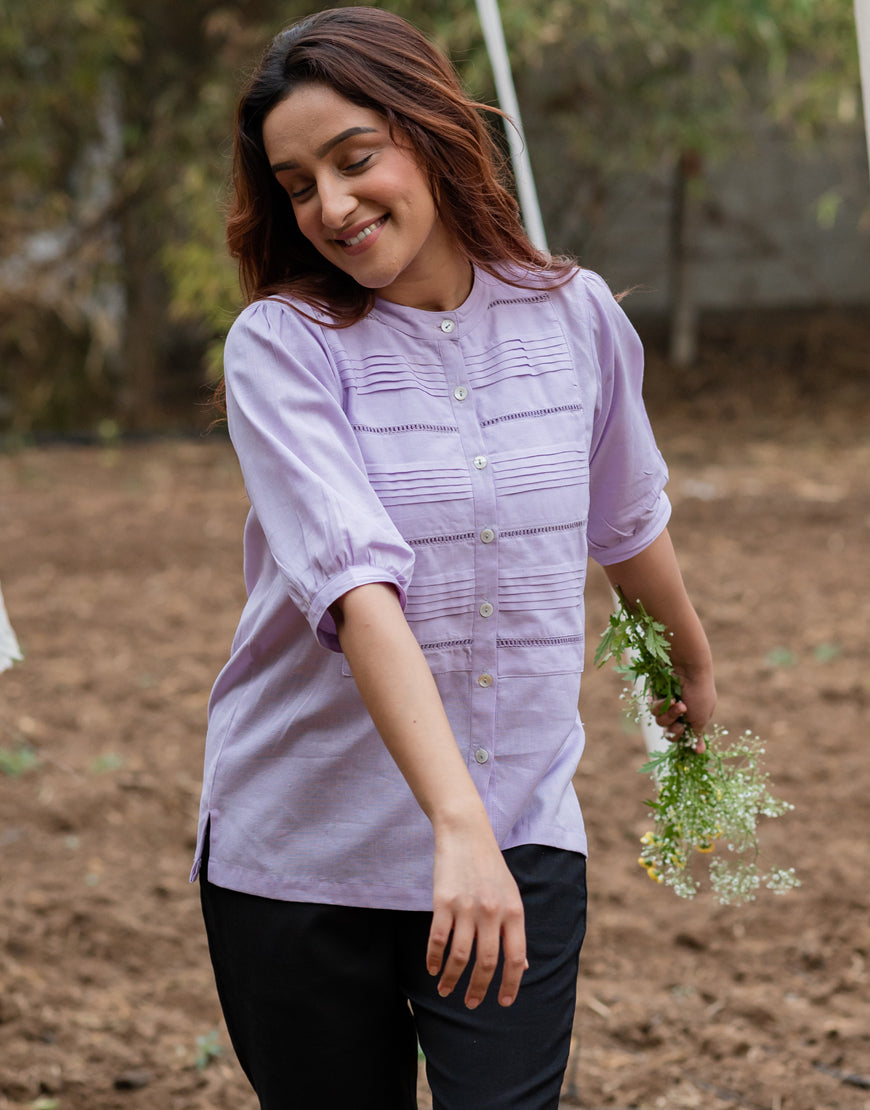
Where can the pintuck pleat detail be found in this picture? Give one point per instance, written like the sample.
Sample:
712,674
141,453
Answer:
383,371
544,588
438,598
419,485
511,359
516,472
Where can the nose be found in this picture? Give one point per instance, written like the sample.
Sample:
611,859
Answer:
337,204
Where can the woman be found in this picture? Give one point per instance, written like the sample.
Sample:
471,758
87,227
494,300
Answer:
436,423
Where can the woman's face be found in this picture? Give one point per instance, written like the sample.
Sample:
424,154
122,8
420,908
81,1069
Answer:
362,200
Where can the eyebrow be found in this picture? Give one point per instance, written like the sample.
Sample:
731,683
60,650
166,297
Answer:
322,151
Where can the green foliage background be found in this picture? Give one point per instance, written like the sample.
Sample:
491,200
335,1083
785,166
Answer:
115,290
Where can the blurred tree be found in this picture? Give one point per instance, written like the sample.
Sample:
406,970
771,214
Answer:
116,117
630,87
115,122
61,145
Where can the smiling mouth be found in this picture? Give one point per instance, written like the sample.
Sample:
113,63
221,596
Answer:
364,234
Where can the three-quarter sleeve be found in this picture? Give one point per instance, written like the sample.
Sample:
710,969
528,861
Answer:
305,477
627,474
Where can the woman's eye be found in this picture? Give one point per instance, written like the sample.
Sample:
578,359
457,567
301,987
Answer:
297,192
358,165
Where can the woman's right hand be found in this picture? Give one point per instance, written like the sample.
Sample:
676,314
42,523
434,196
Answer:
476,901
477,907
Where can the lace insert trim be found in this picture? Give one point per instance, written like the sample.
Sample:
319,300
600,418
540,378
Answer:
457,537
550,641
530,414
394,428
542,530
538,299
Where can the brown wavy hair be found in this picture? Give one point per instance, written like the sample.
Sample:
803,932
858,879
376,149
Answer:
377,60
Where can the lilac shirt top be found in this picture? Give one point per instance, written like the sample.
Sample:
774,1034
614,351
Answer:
472,459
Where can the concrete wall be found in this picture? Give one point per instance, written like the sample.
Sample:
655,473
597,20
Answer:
777,227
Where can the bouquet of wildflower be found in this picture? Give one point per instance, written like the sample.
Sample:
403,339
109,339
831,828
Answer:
706,800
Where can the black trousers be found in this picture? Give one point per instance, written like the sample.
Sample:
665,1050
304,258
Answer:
325,1004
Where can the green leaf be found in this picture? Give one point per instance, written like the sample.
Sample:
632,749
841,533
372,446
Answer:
781,657
15,761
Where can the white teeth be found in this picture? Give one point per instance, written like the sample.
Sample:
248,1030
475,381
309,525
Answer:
364,234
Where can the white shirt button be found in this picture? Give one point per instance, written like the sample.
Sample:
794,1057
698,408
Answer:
484,680
487,535
447,326
486,610
481,755
480,462
460,393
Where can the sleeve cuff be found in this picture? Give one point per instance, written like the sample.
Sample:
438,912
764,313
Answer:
319,617
626,548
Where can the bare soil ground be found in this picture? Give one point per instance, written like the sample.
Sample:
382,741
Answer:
121,571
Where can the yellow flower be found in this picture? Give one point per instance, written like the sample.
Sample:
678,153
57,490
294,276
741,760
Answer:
705,846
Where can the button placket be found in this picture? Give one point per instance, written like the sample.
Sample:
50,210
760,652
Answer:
484,653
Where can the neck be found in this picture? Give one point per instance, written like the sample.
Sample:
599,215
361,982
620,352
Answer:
442,291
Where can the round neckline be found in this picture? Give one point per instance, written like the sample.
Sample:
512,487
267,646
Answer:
423,323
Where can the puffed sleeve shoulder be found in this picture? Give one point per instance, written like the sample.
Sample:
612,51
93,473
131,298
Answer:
304,474
627,474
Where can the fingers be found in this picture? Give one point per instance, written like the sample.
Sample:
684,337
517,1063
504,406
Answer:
670,717
505,931
515,962
439,935
673,719
485,963
457,958
486,929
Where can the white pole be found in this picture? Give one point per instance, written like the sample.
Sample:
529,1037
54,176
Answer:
9,649
862,23
654,738
493,33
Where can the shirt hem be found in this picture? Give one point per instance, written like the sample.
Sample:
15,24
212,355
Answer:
364,893
550,836
361,893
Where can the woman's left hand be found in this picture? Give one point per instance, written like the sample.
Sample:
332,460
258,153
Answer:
693,710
